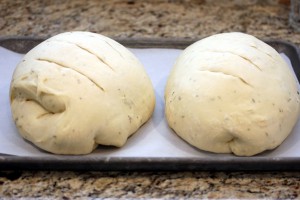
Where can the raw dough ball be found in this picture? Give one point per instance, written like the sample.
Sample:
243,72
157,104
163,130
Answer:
232,93
77,90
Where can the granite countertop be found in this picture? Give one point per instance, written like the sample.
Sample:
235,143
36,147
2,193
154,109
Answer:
148,19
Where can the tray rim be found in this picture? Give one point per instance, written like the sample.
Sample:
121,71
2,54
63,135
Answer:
86,163
145,42
81,163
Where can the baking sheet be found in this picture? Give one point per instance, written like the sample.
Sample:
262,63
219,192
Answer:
155,143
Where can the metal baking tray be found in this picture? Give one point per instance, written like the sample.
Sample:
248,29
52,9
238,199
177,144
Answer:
219,163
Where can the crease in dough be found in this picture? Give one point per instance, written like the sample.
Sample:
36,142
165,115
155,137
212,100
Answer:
243,57
227,74
120,54
64,66
88,51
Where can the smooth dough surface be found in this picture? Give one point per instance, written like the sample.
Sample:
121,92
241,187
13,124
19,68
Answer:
77,90
232,92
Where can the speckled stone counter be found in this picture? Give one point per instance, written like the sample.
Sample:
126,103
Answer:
172,19
155,19
70,185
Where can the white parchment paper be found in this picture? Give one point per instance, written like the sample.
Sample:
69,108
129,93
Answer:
154,139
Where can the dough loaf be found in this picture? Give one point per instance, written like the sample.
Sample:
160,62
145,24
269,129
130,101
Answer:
232,92
77,90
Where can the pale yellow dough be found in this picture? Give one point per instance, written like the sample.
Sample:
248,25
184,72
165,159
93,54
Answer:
77,90
232,92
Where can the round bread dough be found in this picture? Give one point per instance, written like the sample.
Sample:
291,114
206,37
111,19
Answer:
231,92
77,90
